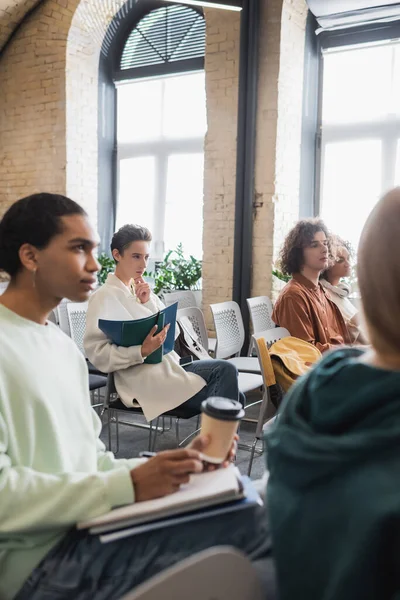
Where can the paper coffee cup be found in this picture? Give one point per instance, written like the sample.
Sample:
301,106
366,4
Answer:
219,421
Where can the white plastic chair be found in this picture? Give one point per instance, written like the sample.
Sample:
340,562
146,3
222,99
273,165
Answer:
198,323
221,573
187,299
260,309
76,314
267,409
230,336
3,286
184,298
76,317
247,382
62,316
53,317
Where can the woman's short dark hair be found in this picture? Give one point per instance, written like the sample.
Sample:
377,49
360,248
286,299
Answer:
32,220
128,234
301,236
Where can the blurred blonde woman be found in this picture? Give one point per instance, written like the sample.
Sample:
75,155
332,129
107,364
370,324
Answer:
333,454
338,290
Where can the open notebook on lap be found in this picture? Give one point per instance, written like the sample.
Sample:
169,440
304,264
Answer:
203,491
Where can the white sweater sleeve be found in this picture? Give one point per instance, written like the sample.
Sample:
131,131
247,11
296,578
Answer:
154,303
35,501
105,356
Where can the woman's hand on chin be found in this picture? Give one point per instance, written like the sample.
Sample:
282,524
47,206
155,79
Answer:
142,290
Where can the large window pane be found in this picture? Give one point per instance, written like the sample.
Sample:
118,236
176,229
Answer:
136,195
184,206
358,85
139,111
185,106
352,179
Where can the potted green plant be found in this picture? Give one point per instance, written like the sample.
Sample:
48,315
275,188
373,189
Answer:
176,272
279,280
107,266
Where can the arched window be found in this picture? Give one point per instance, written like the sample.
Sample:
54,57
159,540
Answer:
161,123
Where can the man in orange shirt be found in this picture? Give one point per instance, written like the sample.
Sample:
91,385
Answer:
303,307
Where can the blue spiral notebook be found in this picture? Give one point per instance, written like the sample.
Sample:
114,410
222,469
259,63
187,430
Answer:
133,333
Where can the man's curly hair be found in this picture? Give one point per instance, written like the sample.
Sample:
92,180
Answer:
301,236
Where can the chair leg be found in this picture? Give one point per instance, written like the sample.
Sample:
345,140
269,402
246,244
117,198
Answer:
183,442
117,430
198,422
253,449
150,434
155,435
109,428
177,431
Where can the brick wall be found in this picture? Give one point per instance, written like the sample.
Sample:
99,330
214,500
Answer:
48,122
82,63
279,120
290,107
48,100
266,141
32,105
222,72
11,13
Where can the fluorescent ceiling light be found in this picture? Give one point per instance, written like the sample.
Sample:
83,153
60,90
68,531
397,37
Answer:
207,4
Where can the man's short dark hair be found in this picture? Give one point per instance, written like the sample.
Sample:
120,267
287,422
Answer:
128,234
301,236
32,220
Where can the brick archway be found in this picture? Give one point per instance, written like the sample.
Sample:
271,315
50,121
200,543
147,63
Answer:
85,38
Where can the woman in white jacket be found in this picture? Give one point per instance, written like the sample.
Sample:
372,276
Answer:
338,291
160,387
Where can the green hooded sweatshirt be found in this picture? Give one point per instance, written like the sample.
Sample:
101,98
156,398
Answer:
334,486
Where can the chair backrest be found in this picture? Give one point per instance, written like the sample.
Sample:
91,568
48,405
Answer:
196,320
221,573
260,309
53,317
62,316
228,328
76,312
273,335
184,298
263,341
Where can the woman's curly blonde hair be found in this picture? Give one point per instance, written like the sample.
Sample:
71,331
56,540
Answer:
301,236
336,243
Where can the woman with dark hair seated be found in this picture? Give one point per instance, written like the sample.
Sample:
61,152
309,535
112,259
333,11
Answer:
161,387
333,453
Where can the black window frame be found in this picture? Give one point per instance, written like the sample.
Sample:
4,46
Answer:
363,34
182,66
114,42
